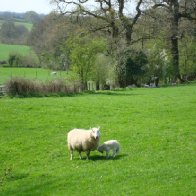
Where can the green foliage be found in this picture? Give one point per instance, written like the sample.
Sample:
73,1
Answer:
83,52
6,50
159,64
104,73
32,17
17,60
188,58
156,130
131,66
13,34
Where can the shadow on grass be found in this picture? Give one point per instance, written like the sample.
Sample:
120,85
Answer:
111,93
103,157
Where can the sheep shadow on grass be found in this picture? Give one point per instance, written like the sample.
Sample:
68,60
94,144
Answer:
103,157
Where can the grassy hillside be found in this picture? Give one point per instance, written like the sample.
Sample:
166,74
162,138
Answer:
156,129
31,73
6,49
26,24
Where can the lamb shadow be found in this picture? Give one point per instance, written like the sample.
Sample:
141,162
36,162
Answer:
103,157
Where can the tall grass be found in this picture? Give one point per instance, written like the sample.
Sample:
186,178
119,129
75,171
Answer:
155,127
20,87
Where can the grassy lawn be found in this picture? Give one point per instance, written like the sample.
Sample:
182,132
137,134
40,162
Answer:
156,129
6,49
31,73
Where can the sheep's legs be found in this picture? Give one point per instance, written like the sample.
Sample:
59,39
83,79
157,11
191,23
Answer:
71,154
87,154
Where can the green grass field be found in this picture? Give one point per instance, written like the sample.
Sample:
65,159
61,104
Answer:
31,73
156,129
6,49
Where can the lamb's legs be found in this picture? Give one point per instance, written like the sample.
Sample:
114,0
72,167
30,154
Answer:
107,154
114,153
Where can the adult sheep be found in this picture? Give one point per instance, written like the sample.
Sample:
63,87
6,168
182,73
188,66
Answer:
83,140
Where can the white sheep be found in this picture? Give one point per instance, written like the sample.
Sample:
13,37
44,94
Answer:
83,140
110,145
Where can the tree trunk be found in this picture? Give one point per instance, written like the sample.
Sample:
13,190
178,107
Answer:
174,41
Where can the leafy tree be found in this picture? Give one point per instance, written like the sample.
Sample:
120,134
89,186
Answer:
133,68
188,58
13,34
176,11
48,40
158,66
104,73
83,51
32,17
113,19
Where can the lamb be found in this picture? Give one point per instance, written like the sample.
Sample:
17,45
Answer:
110,145
83,140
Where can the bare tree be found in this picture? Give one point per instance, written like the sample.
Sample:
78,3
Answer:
116,15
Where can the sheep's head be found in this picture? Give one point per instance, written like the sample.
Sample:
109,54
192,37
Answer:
95,132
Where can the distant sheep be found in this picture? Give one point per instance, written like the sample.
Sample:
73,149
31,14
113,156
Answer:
83,140
110,145
53,73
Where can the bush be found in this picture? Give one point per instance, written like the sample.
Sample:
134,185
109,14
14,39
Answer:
18,60
19,87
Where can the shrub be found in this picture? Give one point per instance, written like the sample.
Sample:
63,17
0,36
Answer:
18,60
20,87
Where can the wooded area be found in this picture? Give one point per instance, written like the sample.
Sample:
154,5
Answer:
118,42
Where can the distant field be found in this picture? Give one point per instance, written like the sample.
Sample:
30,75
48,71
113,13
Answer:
6,49
31,73
26,24
155,127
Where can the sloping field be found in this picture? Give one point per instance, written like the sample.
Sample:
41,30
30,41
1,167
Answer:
6,49
32,73
155,127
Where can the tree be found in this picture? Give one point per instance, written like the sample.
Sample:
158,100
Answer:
48,37
133,67
117,19
32,17
113,18
83,51
176,10
13,34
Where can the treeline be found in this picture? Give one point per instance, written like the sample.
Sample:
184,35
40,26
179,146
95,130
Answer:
155,45
14,26
114,49
29,16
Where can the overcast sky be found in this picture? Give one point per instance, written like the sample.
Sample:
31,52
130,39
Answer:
39,6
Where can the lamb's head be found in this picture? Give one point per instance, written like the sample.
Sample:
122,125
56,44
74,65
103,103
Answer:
100,149
95,132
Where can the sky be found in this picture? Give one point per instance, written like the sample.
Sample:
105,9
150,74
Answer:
39,6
